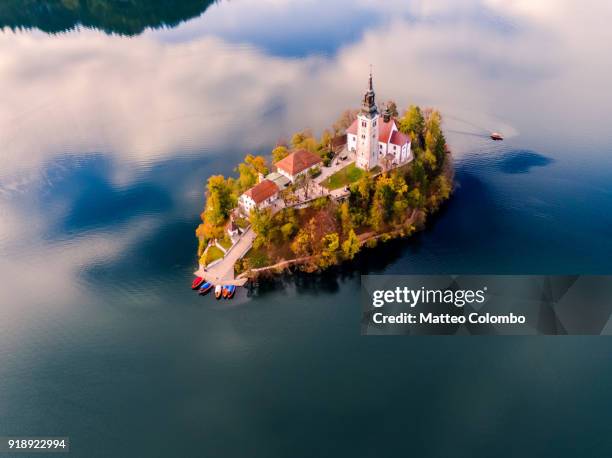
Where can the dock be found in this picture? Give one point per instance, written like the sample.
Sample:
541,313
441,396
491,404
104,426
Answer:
222,273
222,281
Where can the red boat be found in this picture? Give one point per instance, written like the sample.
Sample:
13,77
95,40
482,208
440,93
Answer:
225,292
197,282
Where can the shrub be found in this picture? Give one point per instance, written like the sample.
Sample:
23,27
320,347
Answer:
314,172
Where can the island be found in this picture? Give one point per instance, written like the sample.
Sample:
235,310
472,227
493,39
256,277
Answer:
373,176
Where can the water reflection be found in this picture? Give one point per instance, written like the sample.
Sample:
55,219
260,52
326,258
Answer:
111,16
85,91
522,162
106,144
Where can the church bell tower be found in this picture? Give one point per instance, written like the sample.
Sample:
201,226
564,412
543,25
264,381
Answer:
367,130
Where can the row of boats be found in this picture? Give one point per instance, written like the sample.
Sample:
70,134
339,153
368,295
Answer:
204,287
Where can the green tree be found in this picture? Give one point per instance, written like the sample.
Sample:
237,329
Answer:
434,138
350,247
413,123
220,200
279,153
419,175
262,225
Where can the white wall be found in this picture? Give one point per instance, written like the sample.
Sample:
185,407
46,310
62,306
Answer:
351,141
285,174
247,204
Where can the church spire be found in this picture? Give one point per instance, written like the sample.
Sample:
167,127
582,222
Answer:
369,99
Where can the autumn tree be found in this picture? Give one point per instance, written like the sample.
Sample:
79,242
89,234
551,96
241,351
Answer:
249,170
344,213
287,230
330,245
350,247
344,121
304,140
434,138
302,244
279,153
326,138
388,203
413,123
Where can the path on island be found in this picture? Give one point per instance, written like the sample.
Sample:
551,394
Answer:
222,273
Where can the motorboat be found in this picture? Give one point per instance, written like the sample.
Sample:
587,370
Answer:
231,291
225,292
218,291
496,136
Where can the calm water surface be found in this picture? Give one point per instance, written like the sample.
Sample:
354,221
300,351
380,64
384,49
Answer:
110,124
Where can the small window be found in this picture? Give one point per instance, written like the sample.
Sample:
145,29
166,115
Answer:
363,124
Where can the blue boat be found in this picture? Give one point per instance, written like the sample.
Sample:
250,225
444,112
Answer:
206,287
231,290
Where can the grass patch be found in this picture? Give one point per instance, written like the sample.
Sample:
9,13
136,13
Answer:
213,254
343,177
225,242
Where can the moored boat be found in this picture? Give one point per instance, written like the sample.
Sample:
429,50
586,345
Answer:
231,291
205,288
225,292
196,282
218,291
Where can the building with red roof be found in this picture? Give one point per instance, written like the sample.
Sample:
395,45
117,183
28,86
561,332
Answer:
373,137
298,163
262,195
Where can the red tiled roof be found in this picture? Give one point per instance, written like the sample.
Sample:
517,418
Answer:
384,130
298,161
399,139
353,128
261,191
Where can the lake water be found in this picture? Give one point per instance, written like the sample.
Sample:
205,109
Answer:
112,119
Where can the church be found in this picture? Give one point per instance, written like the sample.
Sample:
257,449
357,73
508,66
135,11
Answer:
376,140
